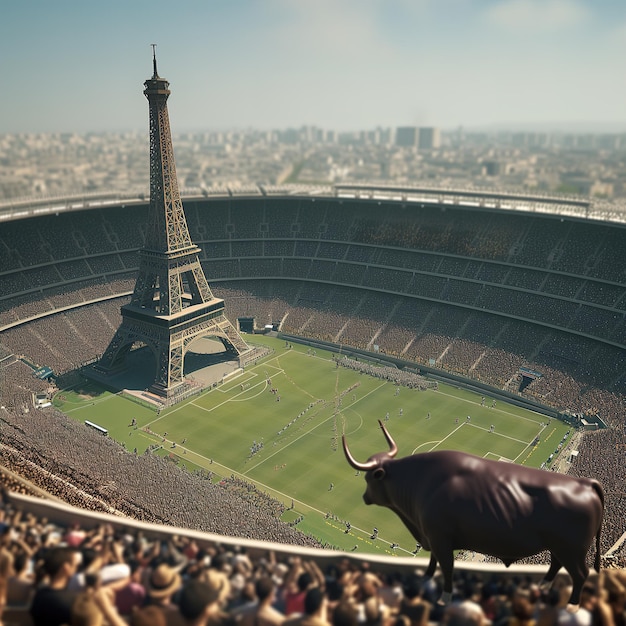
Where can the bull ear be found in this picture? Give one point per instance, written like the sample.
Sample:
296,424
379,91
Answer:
378,473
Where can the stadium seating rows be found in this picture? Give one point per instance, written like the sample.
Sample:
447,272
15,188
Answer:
565,268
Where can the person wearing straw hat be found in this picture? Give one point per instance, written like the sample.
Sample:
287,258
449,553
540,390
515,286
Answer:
163,583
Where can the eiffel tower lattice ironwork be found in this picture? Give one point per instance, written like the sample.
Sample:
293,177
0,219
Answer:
172,303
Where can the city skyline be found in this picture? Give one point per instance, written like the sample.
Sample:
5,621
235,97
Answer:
345,65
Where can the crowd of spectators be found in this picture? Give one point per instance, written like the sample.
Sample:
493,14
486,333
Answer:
54,573
603,456
19,385
52,298
100,475
248,492
444,256
402,378
65,341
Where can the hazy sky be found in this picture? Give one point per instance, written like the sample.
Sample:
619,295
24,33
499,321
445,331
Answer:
79,65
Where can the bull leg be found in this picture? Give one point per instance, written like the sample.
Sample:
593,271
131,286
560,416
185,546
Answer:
578,570
432,566
555,566
445,555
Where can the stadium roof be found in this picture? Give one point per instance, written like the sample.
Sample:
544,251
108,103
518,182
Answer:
575,207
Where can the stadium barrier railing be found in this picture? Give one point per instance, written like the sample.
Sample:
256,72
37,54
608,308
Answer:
66,515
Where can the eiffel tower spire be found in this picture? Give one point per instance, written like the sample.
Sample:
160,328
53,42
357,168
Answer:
172,303
159,285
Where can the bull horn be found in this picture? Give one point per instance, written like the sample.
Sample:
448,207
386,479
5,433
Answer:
364,467
393,448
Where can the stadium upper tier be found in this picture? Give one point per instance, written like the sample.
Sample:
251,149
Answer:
546,286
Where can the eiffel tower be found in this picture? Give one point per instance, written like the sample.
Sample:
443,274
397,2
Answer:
172,303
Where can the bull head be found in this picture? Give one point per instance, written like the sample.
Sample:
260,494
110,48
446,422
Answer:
376,461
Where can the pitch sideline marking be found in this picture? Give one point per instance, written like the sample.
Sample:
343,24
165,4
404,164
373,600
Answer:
498,434
497,410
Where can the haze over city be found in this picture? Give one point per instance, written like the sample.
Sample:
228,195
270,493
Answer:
350,64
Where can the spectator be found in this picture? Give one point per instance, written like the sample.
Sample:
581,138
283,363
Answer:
413,605
200,605
148,616
94,607
133,593
345,614
6,569
52,603
163,583
314,610
612,602
523,609
262,612
468,611
298,581
20,583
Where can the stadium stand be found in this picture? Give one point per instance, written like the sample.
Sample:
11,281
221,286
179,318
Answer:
500,262
477,292
137,565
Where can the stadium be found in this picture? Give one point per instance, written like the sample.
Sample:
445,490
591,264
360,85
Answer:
454,300
521,298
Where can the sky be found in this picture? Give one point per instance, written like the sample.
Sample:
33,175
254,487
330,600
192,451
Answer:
79,65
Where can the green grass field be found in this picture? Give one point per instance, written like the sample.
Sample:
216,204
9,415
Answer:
301,435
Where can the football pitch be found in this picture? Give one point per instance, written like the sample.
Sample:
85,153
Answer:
279,424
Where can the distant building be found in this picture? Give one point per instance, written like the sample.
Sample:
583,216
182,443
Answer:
609,142
493,168
426,138
573,182
385,135
290,136
519,140
429,138
406,136
319,135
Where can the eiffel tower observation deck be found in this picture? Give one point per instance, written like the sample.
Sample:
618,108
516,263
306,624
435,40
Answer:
172,303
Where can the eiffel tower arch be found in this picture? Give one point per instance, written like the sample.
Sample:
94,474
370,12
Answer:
172,303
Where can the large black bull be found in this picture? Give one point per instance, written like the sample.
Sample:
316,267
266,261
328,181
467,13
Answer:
451,500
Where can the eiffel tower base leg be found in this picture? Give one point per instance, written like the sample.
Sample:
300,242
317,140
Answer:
113,361
163,391
169,380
